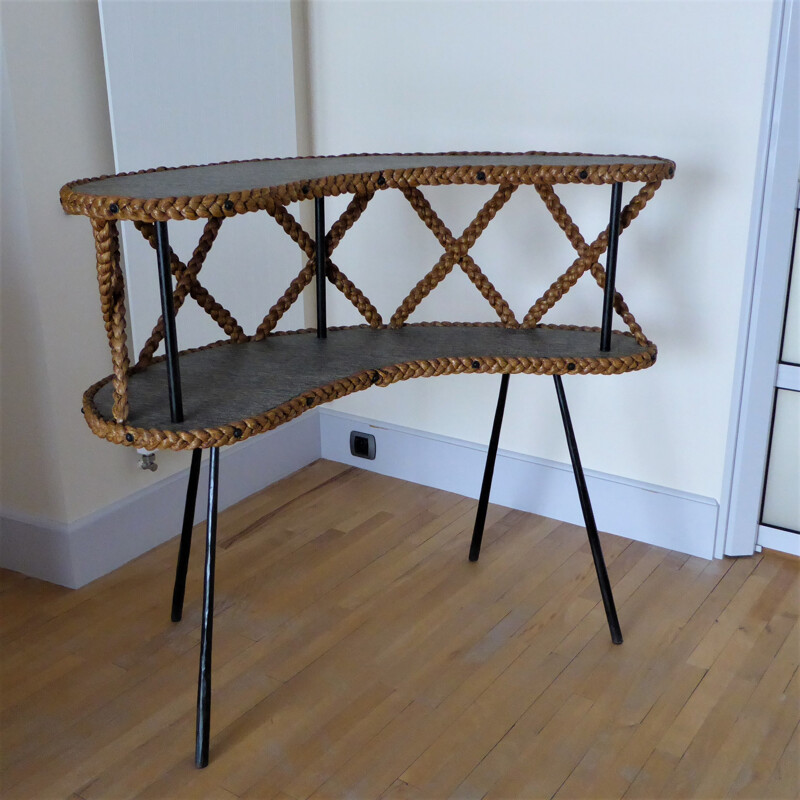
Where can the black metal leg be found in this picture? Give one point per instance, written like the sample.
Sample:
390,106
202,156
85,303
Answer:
321,264
186,538
168,314
488,472
588,516
204,682
611,266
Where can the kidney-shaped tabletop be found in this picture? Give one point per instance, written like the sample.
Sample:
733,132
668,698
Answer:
248,384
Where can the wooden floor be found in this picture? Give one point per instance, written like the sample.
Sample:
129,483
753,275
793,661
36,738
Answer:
358,654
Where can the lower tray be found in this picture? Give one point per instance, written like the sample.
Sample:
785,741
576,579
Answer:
234,391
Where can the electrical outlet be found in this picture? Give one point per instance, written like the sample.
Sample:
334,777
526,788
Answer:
362,445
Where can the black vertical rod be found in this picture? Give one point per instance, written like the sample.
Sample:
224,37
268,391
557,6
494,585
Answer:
204,682
168,314
611,266
321,259
588,516
488,472
186,538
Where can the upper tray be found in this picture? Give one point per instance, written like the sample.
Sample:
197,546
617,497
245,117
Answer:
235,187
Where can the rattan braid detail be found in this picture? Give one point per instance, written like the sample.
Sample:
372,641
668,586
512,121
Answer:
292,228
295,231
228,204
354,295
103,212
445,237
347,219
456,250
152,438
285,301
298,234
112,303
187,283
588,254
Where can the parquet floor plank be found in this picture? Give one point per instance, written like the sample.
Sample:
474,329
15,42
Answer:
358,654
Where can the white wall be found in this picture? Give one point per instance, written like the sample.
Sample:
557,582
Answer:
180,106
682,80
71,507
55,129
677,79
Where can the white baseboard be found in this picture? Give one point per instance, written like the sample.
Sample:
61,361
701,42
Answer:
641,511
75,554
779,539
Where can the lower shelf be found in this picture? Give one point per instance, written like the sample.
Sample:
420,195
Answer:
234,391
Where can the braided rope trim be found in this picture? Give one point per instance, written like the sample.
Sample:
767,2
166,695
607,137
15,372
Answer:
74,201
237,431
112,301
188,284
456,251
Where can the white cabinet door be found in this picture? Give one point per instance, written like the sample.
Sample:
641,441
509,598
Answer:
193,83
764,421
780,511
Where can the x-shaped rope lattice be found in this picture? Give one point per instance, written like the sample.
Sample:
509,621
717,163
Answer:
188,284
335,235
456,250
587,256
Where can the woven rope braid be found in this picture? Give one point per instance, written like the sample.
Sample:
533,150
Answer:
187,283
179,296
104,211
149,210
112,303
620,306
298,234
445,237
285,302
353,294
588,255
153,438
455,250
347,219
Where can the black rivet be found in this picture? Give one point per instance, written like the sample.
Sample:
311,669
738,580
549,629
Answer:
128,437
114,208
237,433
583,175
309,401
476,364
481,176
228,205
381,181
306,189
570,368
83,411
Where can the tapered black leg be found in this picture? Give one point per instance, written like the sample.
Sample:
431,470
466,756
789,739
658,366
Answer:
204,682
488,472
588,516
186,538
168,315
611,266
321,263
